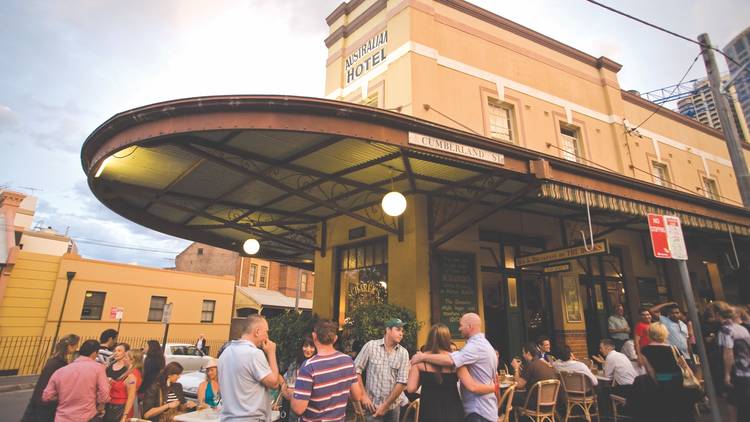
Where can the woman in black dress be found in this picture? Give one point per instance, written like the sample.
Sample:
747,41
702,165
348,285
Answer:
439,399
663,399
37,410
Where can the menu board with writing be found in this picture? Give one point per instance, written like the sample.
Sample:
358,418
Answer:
457,288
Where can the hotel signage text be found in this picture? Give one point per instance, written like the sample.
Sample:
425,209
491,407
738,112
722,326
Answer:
600,247
456,148
366,57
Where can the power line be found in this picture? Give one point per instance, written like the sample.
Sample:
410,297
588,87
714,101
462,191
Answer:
659,28
661,105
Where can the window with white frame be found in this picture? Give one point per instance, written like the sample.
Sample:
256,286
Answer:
500,116
303,282
207,312
661,174
251,276
710,188
570,143
156,308
263,276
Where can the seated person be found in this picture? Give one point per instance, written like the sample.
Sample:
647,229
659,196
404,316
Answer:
568,363
616,366
536,369
544,344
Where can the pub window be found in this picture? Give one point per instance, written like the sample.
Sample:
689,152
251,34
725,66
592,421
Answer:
251,276
570,142
661,174
362,276
500,116
93,303
710,188
263,276
303,282
156,308
207,312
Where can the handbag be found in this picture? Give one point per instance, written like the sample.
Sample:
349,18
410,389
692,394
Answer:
689,380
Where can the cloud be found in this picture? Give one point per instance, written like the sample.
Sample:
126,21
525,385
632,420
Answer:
7,117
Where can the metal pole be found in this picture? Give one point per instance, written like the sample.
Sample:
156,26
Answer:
70,275
693,314
726,119
164,340
299,288
119,321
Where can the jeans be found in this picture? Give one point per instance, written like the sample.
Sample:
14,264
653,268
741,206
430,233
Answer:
389,416
475,417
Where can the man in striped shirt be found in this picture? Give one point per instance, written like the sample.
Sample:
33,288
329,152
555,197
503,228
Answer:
326,380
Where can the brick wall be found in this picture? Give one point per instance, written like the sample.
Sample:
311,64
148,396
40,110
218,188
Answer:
205,259
576,340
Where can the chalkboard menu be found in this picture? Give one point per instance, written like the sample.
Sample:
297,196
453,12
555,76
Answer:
457,288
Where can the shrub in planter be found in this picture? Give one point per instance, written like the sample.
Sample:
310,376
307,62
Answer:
367,322
288,330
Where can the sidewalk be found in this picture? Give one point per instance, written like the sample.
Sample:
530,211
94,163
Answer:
15,383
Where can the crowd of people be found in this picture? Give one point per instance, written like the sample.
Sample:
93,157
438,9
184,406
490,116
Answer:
651,367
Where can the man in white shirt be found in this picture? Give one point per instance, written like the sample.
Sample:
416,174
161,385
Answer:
568,363
616,367
247,372
619,329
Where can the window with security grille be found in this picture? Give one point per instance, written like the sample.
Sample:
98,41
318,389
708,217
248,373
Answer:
251,276
263,276
500,125
711,188
570,143
661,174
93,303
303,282
207,312
156,308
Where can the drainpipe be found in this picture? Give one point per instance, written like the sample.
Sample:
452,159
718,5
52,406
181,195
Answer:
70,275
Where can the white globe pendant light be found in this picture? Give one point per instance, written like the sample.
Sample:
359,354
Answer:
394,204
251,246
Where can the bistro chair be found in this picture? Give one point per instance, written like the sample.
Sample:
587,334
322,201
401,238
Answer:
545,392
413,408
506,401
580,394
359,413
618,404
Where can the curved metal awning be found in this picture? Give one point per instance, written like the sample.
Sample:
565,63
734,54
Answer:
219,170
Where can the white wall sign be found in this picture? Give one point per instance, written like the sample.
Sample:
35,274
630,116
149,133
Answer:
456,148
366,57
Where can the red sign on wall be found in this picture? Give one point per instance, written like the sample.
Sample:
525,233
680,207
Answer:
658,229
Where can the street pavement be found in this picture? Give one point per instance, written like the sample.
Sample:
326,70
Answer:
13,404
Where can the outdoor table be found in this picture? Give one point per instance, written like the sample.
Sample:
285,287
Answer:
210,415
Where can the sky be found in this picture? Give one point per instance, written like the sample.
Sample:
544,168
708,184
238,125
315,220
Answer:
67,66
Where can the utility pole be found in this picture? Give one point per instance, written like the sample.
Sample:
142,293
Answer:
726,119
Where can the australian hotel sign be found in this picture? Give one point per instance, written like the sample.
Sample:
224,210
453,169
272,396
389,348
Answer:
599,247
456,148
366,57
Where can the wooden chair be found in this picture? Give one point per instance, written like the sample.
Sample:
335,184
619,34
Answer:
580,393
359,413
505,401
618,402
545,392
413,408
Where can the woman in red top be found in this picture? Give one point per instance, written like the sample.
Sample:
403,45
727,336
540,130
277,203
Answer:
135,359
640,337
122,385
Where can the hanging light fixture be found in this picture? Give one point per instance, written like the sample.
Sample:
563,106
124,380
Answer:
102,166
251,246
394,203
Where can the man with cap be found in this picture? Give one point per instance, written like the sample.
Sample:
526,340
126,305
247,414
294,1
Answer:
386,366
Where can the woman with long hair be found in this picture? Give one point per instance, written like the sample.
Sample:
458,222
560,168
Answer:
37,410
164,399
306,351
153,363
208,391
135,358
122,387
440,401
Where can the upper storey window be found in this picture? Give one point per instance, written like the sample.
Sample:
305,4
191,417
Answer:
711,189
500,120
661,174
570,143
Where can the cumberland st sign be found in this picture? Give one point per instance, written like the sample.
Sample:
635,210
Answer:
366,57
456,148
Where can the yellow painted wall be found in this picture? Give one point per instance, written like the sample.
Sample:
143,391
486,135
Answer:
455,61
131,287
25,306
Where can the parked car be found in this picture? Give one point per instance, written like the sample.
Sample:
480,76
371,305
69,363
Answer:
190,382
186,355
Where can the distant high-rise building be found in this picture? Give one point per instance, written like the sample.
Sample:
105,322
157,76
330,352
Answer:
701,106
739,50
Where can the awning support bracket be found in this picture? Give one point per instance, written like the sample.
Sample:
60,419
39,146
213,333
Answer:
588,247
